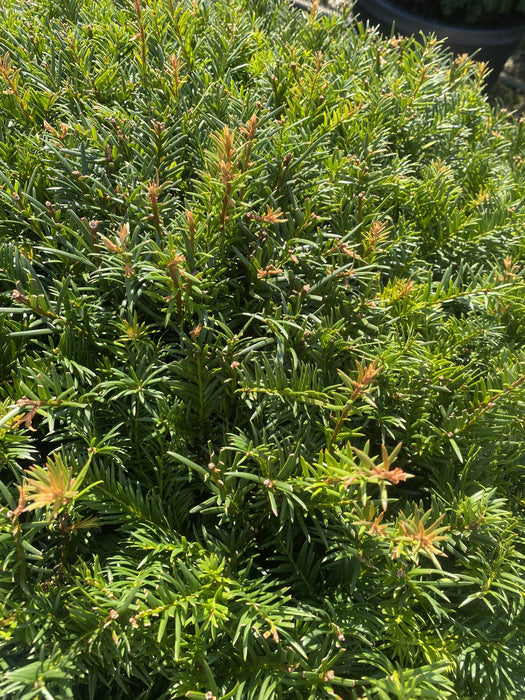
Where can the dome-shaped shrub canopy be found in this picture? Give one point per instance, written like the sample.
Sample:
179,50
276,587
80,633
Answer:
261,371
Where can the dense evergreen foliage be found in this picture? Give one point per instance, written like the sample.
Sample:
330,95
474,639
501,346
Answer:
262,377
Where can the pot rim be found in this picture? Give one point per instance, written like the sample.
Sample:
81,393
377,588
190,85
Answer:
413,23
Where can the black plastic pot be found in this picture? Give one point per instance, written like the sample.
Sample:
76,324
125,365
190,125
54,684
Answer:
493,46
